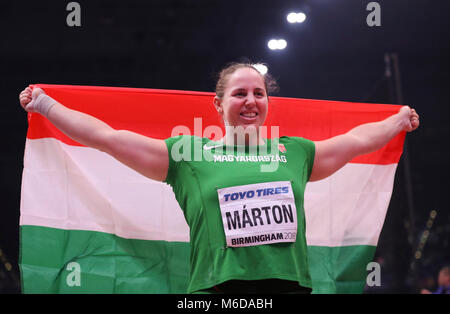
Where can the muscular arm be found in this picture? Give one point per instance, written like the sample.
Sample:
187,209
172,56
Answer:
145,155
332,154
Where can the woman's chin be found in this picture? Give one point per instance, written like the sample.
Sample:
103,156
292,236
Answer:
249,123
248,126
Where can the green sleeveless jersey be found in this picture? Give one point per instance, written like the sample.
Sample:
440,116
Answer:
244,208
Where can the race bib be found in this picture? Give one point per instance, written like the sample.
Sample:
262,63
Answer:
256,214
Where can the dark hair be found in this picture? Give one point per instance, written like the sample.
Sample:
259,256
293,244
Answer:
269,82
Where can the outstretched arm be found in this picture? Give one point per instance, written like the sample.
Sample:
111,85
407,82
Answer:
332,154
145,155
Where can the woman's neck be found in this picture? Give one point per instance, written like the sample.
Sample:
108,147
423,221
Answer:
249,136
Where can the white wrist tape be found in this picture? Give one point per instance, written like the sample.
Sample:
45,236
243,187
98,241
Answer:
43,104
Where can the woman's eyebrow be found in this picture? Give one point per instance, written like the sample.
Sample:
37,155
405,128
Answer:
244,89
239,89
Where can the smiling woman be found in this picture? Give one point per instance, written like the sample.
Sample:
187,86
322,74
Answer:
247,222
242,98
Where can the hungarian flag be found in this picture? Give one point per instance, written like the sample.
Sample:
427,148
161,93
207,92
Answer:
89,224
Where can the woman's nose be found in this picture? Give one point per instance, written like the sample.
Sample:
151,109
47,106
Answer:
251,100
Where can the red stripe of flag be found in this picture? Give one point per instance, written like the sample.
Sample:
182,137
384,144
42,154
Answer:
154,113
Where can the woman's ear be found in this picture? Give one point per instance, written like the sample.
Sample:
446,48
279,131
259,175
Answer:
218,105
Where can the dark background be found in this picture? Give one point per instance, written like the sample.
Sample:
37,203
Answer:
182,44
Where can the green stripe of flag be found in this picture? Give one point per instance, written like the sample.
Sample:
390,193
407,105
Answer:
339,269
108,263
111,264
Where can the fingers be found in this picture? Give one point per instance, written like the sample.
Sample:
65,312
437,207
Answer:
413,115
36,92
25,97
414,119
26,91
410,118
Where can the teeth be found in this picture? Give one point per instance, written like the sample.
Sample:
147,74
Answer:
249,114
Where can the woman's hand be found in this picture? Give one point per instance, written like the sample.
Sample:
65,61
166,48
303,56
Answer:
146,155
410,118
333,153
28,97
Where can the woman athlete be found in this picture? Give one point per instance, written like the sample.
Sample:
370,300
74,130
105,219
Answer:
236,212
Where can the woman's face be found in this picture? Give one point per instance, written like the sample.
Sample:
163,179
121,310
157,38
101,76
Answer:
245,101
